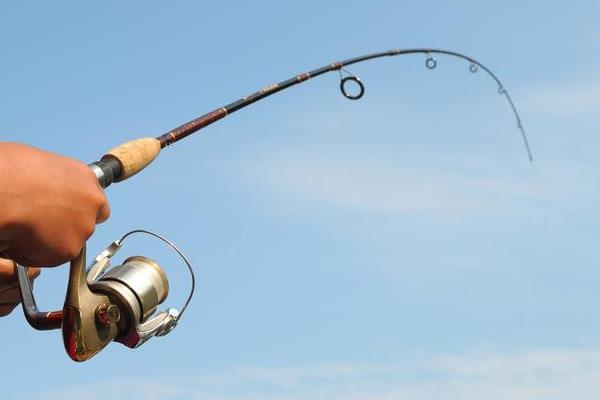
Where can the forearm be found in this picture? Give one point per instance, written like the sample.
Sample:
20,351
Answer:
8,190
24,187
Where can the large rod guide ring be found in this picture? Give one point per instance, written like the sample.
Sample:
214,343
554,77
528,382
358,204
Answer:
355,80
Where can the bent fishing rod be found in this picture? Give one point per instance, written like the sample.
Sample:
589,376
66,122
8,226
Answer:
124,161
106,303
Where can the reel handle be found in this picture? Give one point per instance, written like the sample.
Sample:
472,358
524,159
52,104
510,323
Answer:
42,321
86,320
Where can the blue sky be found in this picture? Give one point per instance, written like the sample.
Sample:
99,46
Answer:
400,246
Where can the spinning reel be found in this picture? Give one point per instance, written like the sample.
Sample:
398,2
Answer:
105,304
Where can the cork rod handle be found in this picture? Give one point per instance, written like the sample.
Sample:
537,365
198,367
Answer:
134,156
126,160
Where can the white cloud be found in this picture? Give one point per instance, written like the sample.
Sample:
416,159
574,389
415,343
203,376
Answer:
542,374
395,188
574,99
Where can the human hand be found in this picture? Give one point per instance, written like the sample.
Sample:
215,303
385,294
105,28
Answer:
49,205
9,286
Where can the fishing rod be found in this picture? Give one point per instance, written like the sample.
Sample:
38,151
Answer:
128,159
104,303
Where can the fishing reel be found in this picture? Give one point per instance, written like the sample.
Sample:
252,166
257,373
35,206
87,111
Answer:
103,304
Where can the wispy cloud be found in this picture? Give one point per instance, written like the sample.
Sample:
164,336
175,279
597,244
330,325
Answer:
575,99
393,188
537,374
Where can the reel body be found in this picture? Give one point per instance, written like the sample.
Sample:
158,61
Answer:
106,304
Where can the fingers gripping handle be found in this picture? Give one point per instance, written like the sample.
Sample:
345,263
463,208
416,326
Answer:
126,160
120,163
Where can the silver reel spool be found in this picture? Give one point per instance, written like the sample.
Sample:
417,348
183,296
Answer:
137,287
